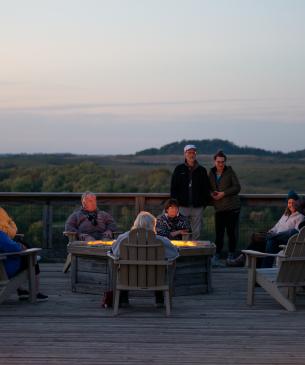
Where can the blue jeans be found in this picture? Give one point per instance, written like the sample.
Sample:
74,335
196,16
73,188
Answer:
273,242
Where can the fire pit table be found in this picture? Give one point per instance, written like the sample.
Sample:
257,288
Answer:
91,270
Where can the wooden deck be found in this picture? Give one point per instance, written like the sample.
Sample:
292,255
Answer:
216,328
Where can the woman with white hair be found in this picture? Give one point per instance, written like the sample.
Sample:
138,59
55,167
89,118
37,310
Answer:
147,221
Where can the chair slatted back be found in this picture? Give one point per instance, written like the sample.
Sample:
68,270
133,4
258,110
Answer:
142,245
293,271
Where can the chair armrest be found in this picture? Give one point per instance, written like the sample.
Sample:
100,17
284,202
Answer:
27,252
71,235
112,256
258,254
282,246
21,235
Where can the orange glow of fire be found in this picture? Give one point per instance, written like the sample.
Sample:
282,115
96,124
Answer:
94,243
174,242
184,243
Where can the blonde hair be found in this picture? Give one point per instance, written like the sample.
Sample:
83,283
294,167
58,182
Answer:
145,220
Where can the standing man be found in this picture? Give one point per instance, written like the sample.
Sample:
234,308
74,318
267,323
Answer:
190,186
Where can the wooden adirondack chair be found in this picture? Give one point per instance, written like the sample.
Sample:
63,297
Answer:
142,266
9,286
280,282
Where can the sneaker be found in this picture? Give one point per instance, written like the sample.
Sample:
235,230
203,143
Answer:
238,262
41,297
215,260
231,256
23,294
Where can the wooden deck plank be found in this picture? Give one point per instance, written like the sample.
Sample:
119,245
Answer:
215,328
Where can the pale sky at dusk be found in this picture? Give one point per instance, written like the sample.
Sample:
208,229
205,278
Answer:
106,77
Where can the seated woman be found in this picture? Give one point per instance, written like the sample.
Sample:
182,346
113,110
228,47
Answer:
172,224
89,222
147,221
287,226
13,265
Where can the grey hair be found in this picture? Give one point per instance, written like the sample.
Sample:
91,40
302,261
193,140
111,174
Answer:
86,194
145,220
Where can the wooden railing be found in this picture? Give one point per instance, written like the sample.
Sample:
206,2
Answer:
136,202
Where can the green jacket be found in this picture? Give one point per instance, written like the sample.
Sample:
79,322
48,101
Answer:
229,184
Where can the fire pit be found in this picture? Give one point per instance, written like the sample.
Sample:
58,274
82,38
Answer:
90,270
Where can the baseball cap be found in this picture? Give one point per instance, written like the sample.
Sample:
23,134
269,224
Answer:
189,147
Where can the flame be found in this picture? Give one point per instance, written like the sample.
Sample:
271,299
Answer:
184,243
174,242
96,243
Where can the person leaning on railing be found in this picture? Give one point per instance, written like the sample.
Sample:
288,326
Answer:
289,224
90,223
8,243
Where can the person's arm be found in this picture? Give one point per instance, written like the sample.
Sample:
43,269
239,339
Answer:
234,189
277,227
299,220
72,223
8,245
162,228
116,244
171,251
110,226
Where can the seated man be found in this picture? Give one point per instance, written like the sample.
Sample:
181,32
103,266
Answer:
13,265
172,224
89,222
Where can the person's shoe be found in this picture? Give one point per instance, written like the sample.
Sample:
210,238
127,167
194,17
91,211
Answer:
41,297
231,256
23,294
215,260
238,262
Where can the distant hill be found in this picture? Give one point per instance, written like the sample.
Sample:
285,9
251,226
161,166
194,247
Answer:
210,146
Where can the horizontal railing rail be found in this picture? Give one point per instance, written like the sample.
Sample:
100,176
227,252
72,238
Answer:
55,207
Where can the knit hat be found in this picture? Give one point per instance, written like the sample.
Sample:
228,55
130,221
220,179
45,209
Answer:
189,147
292,195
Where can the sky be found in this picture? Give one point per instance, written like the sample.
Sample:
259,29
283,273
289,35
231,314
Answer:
119,76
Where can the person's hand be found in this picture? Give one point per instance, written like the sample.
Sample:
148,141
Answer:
179,232
107,234
217,195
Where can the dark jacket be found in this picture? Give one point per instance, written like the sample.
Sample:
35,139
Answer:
93,224
229,184
200,186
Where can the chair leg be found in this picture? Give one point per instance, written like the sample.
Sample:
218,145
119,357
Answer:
291,294
67,264
116,302
251,280
167,302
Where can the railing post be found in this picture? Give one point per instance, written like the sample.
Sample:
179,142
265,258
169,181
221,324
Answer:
47,222
139,204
